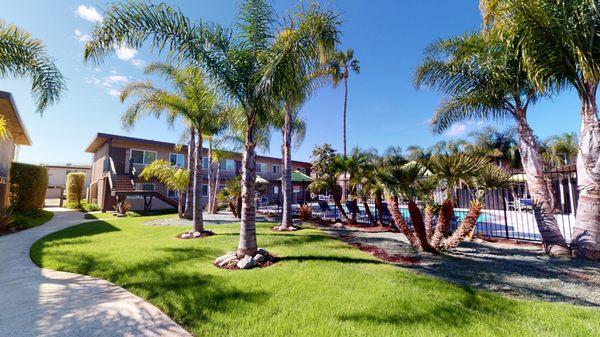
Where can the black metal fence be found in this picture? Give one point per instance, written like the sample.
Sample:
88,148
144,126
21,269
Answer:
507,213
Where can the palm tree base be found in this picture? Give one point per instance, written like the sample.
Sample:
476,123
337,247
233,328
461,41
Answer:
194,234
232,260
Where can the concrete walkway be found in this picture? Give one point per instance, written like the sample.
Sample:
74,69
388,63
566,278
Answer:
42,302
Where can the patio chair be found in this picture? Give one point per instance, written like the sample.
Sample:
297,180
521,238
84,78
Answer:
325,210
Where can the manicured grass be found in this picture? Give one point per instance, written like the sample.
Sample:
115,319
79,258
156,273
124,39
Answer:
321,287
31,219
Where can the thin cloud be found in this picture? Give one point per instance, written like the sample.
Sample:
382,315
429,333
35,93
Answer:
88,13
125,53
457,129
81,37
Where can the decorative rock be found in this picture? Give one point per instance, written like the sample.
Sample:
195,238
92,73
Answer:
226,259
338,225
262,251
246,263
260,258
196,234
185,236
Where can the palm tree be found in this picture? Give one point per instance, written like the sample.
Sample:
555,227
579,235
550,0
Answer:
24,56
238,60
232,195
363,183
482,79
192,100
559,46
174,178
340,67
498,146
216,157
414,182
562,149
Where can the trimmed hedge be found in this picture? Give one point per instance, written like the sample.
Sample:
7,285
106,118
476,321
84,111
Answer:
75,184
28,184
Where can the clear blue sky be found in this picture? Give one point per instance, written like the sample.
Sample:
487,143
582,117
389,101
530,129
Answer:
384,108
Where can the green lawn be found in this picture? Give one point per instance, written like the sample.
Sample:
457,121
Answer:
322,287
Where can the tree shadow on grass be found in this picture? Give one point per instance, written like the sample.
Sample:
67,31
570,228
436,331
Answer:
468,308
329,258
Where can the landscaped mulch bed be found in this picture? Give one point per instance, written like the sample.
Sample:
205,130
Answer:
514,269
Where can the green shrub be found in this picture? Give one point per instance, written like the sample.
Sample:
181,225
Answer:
28,186
86,207
75,184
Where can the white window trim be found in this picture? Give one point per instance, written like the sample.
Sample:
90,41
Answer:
225,168
178,154
278,169
262,165
131,153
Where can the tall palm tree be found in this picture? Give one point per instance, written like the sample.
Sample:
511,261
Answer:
191,100
238,61
24,56
482,79
559,45
340,67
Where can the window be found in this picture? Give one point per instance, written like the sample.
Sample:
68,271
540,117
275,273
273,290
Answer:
142,157
144,187
276,168
205,190
177,159
261,167
172,193
227,165
205,162
301,169
275,189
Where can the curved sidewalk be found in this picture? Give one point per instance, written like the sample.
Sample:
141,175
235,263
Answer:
42,302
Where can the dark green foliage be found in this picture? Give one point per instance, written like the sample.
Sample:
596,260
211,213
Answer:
28,186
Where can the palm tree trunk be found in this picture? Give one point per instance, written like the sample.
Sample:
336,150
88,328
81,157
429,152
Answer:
180,204
552,239
465,228
368,211
247,244
443,224
286,172
198,223
419,226
399,220
189,202
586,235
338,204
210,177
379,208
345,181
215,189
354,209
428,221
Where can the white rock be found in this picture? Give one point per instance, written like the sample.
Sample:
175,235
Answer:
226,259
197,234
185,236
260,258
338,225
246,263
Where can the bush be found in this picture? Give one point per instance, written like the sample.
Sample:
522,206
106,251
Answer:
305,212
89,207
28,186
75,184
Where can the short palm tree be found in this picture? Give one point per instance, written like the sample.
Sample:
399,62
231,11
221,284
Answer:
363,183
176,179
192,100
327,167
415,182
24,56
482,79
559,45
239,61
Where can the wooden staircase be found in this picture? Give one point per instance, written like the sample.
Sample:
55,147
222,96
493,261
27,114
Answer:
123,183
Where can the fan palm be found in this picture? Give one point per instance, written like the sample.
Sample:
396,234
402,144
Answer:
176,179
561,150
192,100
340,67
236,59
24,56
482,79
559,44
